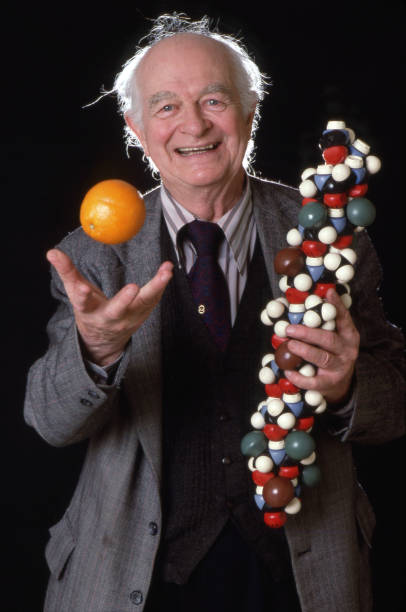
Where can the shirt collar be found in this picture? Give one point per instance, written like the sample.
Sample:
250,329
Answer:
236,224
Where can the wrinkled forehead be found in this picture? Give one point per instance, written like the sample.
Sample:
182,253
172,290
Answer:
184,56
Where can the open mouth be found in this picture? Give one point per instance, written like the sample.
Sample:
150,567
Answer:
197,150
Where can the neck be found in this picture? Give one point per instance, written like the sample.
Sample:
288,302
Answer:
209,203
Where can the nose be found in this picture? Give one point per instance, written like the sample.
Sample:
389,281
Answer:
194,121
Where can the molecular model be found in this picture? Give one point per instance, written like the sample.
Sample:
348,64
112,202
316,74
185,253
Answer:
280,448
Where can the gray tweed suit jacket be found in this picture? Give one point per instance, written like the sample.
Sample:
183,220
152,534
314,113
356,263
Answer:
101,553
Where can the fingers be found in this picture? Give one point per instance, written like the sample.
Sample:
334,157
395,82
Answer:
62,264
81,293
85,297
333,353
320,381
344,322
320,357
151,293
303,382
334,386
105,325
331,342
140,300
313,338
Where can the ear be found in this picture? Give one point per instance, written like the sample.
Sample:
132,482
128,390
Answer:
138,131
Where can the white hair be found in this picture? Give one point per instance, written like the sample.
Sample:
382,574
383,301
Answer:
250,82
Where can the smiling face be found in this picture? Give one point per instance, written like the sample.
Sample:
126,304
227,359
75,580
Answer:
193,126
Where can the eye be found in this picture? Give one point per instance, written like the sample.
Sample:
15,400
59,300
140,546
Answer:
215,104
167,109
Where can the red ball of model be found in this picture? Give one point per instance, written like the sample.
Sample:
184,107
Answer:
287,386
274,432
273,390
314,248
260,478
276,341
335,155
294,296
275,519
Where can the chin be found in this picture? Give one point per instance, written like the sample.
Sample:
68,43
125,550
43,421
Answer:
202,178
213,175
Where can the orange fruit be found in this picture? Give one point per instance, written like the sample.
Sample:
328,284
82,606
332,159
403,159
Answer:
112,211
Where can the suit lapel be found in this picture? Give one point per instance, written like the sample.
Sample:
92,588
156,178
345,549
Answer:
143,382
274,216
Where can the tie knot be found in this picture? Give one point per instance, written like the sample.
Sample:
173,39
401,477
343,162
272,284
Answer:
206,237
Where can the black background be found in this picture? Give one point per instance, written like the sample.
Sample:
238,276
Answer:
326,60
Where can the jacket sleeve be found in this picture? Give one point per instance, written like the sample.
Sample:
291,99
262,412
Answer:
378,413
63,402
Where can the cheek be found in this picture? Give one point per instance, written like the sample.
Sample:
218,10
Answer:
158,137
238,129
239,139
246,129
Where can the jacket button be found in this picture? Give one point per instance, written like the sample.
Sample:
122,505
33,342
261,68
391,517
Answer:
86,402
93,394
136,597
153,528
226,461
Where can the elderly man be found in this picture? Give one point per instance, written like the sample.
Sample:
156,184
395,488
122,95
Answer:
162,514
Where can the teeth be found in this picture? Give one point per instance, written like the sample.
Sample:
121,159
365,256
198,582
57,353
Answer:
196,149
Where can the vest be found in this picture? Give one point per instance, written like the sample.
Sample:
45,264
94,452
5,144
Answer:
208,399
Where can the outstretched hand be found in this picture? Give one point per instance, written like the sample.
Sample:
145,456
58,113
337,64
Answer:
333,352
105,325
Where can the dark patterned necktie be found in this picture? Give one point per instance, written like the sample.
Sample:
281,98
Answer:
207,281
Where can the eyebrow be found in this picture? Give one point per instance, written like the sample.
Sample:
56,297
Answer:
159,96
156,98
